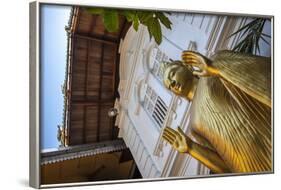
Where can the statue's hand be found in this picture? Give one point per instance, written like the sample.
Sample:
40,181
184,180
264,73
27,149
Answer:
177,139
200,62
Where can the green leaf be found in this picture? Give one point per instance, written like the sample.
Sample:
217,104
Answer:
95,10
263,39
129,15
250,35
149,32
145,16
265,35
164,20
111,20
257,49
246,28
136,23
155,29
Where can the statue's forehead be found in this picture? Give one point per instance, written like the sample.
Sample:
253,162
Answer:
166,72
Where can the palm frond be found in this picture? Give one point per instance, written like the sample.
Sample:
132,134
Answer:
250,36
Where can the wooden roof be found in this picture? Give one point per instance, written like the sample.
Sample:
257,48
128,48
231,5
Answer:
92,78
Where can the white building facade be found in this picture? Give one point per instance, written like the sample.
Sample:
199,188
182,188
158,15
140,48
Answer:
146,107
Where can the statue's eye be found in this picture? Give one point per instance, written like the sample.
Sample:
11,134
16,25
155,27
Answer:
172,74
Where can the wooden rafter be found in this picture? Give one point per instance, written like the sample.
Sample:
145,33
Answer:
97,39
86,70
84,123
85,93
81,104
91,102
99,94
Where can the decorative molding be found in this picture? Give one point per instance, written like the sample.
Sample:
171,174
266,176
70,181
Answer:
131,76
179,101
203,170
118,107
130,138
202,21
192,46
127,69
150,49
219,36
173,155
214,35
175,115
209,24
168,166
185,165
228,29
159,144
138,92
234,40
120,45
82,151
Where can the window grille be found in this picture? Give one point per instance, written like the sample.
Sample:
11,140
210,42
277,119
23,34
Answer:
155,107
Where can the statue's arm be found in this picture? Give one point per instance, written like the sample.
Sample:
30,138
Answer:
208,157
193,135
251,74
184,144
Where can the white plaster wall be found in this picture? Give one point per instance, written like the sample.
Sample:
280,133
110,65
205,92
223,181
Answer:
146,129
186,28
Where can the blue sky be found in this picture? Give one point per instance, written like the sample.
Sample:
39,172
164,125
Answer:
53,64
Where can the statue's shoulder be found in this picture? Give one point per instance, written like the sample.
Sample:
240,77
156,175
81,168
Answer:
225,54
230,54
222,53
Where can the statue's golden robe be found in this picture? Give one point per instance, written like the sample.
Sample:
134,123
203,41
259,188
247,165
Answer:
233,112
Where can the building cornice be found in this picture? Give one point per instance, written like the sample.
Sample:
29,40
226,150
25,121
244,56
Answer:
81,151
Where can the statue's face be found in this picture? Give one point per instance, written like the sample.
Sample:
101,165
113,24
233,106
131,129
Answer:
178,79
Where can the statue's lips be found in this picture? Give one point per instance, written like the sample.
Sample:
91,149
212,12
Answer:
178,86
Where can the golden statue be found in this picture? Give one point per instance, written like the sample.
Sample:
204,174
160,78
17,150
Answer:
230,110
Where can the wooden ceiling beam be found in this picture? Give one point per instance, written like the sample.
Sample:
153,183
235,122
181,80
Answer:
84,124
115,80
93,23
91,102
96,39
99,94
85,93
104,40
86,70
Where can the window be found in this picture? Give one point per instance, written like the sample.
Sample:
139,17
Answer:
155,107
157,58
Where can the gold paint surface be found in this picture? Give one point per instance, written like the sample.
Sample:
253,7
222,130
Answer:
230,113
